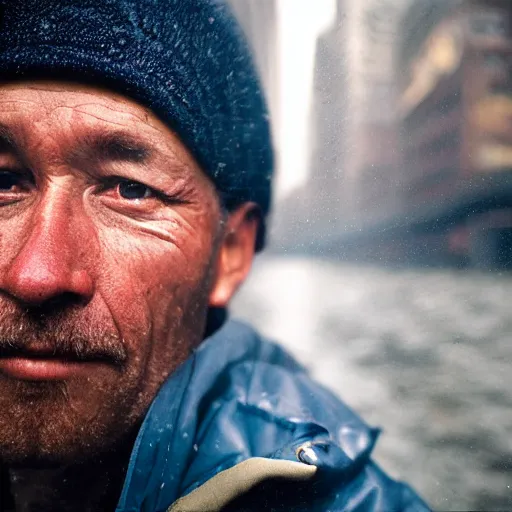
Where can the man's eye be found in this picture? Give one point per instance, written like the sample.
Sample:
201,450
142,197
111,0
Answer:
134,190
9,180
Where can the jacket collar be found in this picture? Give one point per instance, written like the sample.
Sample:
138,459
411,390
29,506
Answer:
166,439
224,405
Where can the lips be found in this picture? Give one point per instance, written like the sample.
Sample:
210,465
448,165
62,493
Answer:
42,365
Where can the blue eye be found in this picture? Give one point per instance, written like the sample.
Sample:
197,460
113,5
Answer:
134,190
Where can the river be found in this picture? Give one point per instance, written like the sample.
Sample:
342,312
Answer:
425,354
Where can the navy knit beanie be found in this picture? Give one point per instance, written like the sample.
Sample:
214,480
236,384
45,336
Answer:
184,59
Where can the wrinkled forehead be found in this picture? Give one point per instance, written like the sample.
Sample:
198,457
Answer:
83,110
55,98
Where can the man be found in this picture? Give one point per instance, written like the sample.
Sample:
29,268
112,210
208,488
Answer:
135,167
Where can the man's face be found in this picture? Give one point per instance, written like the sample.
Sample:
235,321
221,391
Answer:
108,231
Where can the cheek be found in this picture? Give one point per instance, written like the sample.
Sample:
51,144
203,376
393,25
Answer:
147,282
14,232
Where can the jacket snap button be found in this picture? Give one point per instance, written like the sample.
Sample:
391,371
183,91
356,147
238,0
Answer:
306,454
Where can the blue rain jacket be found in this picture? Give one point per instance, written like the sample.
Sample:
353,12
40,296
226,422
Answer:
242,398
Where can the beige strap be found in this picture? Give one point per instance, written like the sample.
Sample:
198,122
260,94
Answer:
228,485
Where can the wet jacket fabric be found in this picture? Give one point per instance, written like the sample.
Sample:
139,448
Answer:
241,426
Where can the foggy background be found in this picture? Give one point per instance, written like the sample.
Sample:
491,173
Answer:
388,267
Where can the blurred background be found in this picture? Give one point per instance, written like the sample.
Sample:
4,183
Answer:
388,268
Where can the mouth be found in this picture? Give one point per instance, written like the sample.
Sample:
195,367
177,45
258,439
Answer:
41,365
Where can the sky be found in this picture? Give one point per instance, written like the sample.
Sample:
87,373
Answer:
300,23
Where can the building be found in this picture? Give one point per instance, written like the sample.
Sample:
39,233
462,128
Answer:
309,214
375,167
455,88
258,19
355,159
354,164
328,129
455,94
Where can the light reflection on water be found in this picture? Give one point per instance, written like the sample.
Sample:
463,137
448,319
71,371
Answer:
424,353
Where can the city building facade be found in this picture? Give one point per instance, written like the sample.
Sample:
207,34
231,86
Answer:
455,99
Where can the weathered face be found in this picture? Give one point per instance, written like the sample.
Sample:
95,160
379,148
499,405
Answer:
107,244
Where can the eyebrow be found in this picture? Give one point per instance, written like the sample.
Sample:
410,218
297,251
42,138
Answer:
116,147
7,140
107,146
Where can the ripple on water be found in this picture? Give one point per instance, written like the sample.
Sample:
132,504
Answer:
426,354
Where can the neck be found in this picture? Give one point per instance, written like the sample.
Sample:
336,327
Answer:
85,487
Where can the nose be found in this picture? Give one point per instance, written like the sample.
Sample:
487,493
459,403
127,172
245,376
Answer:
51,264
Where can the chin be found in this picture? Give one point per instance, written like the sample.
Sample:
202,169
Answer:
41,425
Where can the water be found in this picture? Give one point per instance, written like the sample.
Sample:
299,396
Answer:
424,354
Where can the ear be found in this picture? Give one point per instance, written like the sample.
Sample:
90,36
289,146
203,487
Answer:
235,254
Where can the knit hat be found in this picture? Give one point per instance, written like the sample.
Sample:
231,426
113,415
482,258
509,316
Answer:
184,59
